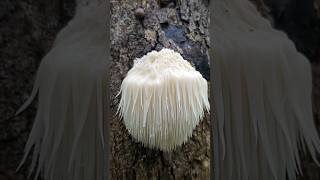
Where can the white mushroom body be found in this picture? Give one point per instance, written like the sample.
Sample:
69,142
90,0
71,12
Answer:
163,98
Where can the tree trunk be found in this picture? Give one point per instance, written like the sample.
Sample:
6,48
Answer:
28,29
182,26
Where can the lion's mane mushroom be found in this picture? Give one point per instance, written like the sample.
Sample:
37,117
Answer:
163,99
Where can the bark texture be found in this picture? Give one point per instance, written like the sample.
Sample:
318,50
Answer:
28,28
182,26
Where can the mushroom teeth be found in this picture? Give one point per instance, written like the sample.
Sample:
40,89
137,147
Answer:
163,99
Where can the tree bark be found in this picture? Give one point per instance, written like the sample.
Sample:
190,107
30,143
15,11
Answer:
182,26
28,29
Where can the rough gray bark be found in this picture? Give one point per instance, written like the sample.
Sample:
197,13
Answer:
28,29
180,25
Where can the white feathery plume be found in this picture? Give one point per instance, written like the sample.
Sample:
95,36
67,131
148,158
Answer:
67,137
263,97
162,99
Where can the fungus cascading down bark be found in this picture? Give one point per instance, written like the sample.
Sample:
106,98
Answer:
163,99
262,93
67,135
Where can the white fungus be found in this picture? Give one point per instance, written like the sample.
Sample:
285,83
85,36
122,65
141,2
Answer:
163,98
